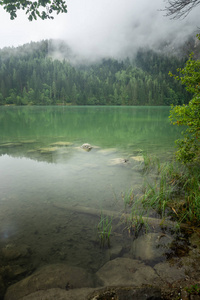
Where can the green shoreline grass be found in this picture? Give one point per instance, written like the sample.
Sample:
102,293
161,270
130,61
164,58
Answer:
174,192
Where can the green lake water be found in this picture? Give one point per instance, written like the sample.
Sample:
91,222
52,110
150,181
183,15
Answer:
40,174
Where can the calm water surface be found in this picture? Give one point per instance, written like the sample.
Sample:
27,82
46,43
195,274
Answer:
39,175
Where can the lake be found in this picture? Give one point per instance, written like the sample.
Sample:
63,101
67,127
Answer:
46,177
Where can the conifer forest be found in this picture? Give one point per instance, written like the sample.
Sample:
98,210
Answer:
30,75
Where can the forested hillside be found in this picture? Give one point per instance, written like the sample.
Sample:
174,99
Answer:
29,75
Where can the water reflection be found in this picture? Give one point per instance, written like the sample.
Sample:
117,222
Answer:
102,126
41,151
43,168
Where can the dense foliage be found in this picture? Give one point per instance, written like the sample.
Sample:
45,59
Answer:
189,115
34,9
28,75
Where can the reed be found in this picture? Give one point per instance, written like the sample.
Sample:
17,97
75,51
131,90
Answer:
104,230
175,192
128,198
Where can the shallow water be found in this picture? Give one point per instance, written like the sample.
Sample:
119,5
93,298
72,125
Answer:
39,179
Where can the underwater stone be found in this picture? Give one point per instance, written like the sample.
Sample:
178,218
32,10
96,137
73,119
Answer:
53,276
150,246
107,151
138,158
12,252
118,161
2,288
60,294
127,292
10,145
28,141
126,271
115,251
62,144
12,271
86,147
47,150
170,273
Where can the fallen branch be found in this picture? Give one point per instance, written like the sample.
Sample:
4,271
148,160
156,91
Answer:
117,215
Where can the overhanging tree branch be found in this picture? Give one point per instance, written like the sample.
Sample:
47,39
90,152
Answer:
180,8
42,9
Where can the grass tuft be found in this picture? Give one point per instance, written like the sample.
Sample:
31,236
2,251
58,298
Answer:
104,230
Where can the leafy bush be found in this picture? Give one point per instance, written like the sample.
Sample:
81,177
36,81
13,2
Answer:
189,115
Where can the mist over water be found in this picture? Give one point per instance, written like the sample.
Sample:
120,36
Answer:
54,195
36,168
96,29
119,29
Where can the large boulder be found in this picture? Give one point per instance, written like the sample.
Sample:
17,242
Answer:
126,271
87,147
128,293
170,272
13,252
150,246
52,276
59,294
2,287
61,144
118,161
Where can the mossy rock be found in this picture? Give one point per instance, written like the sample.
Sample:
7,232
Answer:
118,161
28,141
2,288
10,145
126,271
61,144
87,147
138,158
50,277
13,252
48,150
128,293
107,151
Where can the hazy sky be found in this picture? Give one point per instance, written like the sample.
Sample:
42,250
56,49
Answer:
102,27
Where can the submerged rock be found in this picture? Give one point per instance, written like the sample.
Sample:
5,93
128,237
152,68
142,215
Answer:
52,276
2,287
60,294
128,293
11,145
12,271
62,144
118,161
150,246
115,251
107,151
32,151
47,150
195,241
126,271
87,147
12,251
138,158
170,273
28,141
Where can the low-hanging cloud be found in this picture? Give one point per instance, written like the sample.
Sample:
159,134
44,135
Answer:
116,28
101,28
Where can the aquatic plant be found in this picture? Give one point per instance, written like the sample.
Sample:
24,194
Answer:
128,198
134,220
193,289
170,190
135,223
104,229
158,194
150,162
175,192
